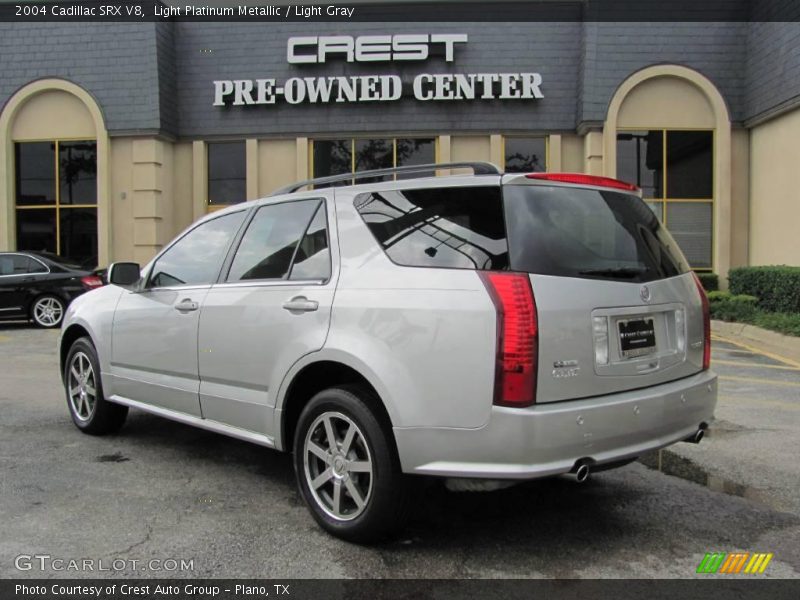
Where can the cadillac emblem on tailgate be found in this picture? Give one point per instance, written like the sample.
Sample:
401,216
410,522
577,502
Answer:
644,292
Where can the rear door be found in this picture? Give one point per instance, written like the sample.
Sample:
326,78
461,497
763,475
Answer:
272,307
617,305
154,338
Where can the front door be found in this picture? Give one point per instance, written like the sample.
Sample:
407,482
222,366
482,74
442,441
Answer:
272,308
154,338
18,273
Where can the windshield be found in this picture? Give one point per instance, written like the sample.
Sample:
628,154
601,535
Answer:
574,232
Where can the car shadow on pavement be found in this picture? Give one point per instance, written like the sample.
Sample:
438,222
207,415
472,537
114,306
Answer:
185,442
627,512
15,325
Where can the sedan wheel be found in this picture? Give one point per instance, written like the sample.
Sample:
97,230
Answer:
48,311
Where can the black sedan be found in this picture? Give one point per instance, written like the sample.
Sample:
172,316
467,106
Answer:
40,286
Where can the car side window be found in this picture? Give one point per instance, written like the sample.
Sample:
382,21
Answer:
445,227
197,257
313,257
34,266
19,264
6,265
271,240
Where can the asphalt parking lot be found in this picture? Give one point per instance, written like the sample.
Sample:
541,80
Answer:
160,491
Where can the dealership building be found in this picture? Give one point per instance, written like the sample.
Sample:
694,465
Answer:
116,136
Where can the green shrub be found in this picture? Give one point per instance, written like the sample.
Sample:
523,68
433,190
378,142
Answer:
717,296
776,287
710,281
729,307
785,323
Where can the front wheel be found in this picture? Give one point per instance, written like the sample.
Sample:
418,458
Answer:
89,409
346,467
48,311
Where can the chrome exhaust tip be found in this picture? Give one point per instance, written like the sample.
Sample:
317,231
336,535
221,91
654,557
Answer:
696,437
582,472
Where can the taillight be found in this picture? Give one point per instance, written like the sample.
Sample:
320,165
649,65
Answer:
706,323
517,337
585,180
91,281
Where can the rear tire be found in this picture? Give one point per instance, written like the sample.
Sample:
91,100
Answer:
48,311
89,409
352,484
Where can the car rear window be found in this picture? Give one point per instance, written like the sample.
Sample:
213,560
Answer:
575,232
452,227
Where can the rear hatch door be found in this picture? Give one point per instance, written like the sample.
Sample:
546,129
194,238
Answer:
617,305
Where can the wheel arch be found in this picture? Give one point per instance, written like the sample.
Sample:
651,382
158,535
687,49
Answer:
72,333
308,379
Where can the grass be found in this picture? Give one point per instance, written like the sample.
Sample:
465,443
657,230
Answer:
744,309
785,323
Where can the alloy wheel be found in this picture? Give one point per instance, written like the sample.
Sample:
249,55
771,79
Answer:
48,311
338,466
82,387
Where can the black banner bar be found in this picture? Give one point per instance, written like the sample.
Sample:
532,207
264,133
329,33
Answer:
743,587
469,11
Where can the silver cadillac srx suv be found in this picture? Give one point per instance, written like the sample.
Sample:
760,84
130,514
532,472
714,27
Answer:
483,328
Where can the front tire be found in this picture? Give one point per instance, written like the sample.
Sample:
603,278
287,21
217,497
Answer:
346,467
48,311
89,409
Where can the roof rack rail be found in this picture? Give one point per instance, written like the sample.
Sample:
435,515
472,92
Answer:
478,168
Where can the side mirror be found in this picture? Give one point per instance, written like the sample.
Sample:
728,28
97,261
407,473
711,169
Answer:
124,273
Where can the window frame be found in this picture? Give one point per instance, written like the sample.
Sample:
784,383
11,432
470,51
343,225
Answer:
543,136
665,198
219,206
354,138
57,206
222,280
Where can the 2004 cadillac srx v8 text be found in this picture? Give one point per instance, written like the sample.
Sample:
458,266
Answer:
481,328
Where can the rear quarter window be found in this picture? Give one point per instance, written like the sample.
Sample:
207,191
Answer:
451,227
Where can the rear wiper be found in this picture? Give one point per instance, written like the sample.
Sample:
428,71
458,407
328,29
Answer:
625,272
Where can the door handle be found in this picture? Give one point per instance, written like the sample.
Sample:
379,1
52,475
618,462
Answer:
301,304
186,305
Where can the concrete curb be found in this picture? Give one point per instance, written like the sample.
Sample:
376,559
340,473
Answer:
761,339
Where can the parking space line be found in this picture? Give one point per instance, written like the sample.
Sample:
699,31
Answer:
778,357
736,363
759,380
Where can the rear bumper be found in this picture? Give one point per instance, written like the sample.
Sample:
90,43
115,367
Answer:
548,439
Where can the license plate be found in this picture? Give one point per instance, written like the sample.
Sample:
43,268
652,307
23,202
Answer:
637,337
